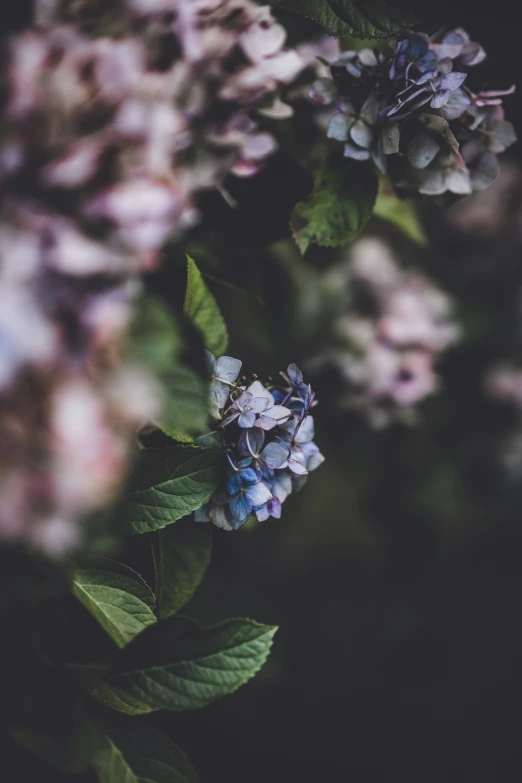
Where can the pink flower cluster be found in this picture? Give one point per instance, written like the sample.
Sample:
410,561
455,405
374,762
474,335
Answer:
69,404
112,123
389,341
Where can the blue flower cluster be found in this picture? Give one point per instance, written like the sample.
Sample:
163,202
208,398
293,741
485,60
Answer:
266,433
414,115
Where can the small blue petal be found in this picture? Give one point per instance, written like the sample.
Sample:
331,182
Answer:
265,422
452,81
295,374
248,475
278,395
219,393
233,484
246,420
262,512
201,514
273,455
259,404
280,413
314,461
440,99
305,431
258,493
266,473
428,62
221,518
308,448
227,368
282,486
296,464
417,46
241,508
425,77
251,442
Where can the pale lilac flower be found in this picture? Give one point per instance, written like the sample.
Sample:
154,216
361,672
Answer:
387,358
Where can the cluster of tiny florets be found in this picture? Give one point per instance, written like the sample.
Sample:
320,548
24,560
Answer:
266,433
108,140
386,345
414,115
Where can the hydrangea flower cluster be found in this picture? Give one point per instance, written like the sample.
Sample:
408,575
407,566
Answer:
108,140
115,115
414,115
69,406
266,433
388,343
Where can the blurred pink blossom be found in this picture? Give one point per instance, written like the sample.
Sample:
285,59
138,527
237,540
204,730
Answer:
386,351
117,114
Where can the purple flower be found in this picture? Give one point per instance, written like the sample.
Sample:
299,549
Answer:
244,491
270,509
223,374
380,104
256,399
274,451
413,52
265,459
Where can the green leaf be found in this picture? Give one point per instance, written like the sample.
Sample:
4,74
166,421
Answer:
131,751
361,18
318,11
121,602
154,339
181,556
201,307
180,665
168,484
185,412
338,207
104,694
372,18
402,214
155,343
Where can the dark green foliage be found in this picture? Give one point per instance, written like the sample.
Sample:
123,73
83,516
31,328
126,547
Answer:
338,207
360,18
